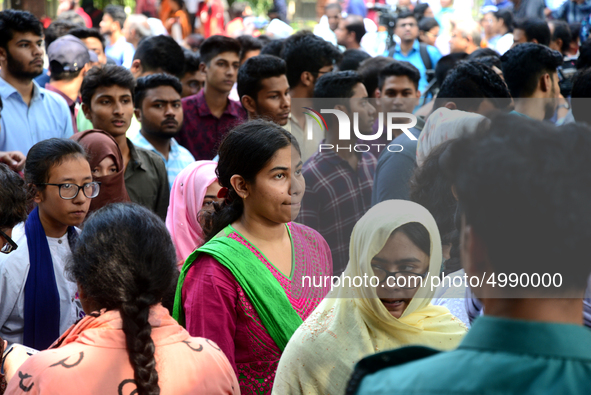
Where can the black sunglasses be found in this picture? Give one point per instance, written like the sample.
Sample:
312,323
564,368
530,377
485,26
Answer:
9,246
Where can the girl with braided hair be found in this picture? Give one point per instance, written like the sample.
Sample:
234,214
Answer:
124,262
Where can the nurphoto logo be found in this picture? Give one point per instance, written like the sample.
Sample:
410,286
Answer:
392,123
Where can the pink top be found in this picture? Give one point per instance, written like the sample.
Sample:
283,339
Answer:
92,359
217,308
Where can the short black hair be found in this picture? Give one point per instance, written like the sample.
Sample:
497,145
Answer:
399,69
12,21
524,64
256,69
13,198
562,32
274,47
117,13
333,5
420,10
72,17
369,70
144,84
107,75
581,96
215,45
56,30
490,61
507,17
427,24
406,14
248,43
352,58
356,27
337,85
85,32
304,51
534,28
575,31
481,52
446,64
584,59
474,81
519,183
161,53
192,61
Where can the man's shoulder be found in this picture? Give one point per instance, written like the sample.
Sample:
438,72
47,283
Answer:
149,157
51,97
381,364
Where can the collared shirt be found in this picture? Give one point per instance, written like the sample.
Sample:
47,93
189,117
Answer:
414,58
572,12
71,104
497,356
307,147
336,197
178,157
146,180
395,169
46,116
14,270
121,52
202,132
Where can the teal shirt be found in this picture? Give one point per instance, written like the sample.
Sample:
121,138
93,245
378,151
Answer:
497,356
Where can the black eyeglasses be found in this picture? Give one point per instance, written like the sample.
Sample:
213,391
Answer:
403,279
69,191
9,246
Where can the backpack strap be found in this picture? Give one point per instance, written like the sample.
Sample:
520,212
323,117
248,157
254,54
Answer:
425,56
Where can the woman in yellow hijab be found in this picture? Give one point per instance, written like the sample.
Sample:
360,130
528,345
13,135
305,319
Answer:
398,242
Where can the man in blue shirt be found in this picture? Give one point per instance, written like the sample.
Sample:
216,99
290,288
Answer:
409,50
159,110
524,214
30,113
118,49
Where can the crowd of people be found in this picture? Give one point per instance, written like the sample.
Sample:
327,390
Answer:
182,200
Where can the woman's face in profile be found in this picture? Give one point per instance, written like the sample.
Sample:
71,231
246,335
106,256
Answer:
399,254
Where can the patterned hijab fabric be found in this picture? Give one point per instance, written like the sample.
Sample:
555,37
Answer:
351,322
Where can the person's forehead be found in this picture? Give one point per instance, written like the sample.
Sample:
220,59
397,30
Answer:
92,42
164,92
114,90
359,90
409,19
227,56
398,82
17,36
274,83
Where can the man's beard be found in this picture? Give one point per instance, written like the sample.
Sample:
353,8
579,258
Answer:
155,130
17,69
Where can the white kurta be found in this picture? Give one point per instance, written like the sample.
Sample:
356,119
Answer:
14,268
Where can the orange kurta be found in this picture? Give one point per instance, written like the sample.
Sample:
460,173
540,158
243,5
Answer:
91,358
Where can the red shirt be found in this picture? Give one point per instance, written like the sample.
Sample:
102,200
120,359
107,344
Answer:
202,132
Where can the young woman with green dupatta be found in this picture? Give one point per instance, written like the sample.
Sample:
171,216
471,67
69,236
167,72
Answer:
244,287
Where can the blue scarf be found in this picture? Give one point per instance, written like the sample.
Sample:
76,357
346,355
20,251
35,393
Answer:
42,300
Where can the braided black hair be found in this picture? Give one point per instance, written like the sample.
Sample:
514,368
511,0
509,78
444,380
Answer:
125,260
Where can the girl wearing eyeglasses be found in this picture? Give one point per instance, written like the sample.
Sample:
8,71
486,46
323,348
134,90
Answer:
397,243
38,301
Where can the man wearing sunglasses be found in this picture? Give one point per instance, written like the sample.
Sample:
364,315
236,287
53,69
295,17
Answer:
13,206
